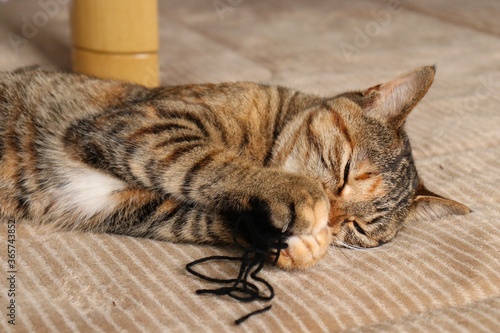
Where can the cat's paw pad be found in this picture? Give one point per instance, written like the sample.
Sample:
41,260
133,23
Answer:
304,251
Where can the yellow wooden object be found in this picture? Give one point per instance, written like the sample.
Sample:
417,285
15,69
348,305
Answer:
116,39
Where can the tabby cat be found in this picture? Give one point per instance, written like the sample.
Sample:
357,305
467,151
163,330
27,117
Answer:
180,163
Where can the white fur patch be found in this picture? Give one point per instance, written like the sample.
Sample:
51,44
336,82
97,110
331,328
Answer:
87,191
290,164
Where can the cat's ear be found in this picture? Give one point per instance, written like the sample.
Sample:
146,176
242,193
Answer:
392,101
429,205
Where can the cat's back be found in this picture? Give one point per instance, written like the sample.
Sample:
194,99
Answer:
36,90
53,100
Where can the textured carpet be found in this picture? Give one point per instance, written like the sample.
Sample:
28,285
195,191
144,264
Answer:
436,276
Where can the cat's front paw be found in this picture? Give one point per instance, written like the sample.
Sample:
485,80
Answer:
305,250
297,205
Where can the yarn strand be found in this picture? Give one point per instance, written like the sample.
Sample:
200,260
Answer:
245,287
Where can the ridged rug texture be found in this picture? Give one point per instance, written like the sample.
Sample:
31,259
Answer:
436,276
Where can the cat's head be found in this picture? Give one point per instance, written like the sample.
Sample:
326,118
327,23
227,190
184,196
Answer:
355,144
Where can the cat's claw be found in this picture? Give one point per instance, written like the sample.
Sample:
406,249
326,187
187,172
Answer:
305,250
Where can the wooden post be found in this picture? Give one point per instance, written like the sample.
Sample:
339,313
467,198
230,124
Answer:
116,39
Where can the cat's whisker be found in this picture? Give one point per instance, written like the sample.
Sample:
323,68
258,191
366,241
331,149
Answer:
345,255
341,244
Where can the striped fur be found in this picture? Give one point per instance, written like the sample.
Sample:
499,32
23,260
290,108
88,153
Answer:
180,163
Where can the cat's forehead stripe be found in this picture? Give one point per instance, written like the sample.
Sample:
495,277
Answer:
339,123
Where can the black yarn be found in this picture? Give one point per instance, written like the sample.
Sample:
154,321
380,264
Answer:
265,242
245,317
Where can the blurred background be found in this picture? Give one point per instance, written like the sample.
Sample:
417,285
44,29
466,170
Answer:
310,45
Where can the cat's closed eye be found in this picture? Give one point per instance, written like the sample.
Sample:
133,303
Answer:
347,170
358,228
364,176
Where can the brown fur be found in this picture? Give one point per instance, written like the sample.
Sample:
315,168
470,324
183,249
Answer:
180,163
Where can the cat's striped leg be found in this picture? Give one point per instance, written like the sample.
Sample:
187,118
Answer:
178,222
143,213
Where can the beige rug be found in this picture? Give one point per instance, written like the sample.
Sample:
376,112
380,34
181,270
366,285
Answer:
436,276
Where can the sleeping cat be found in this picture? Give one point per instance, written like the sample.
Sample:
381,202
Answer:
179,163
